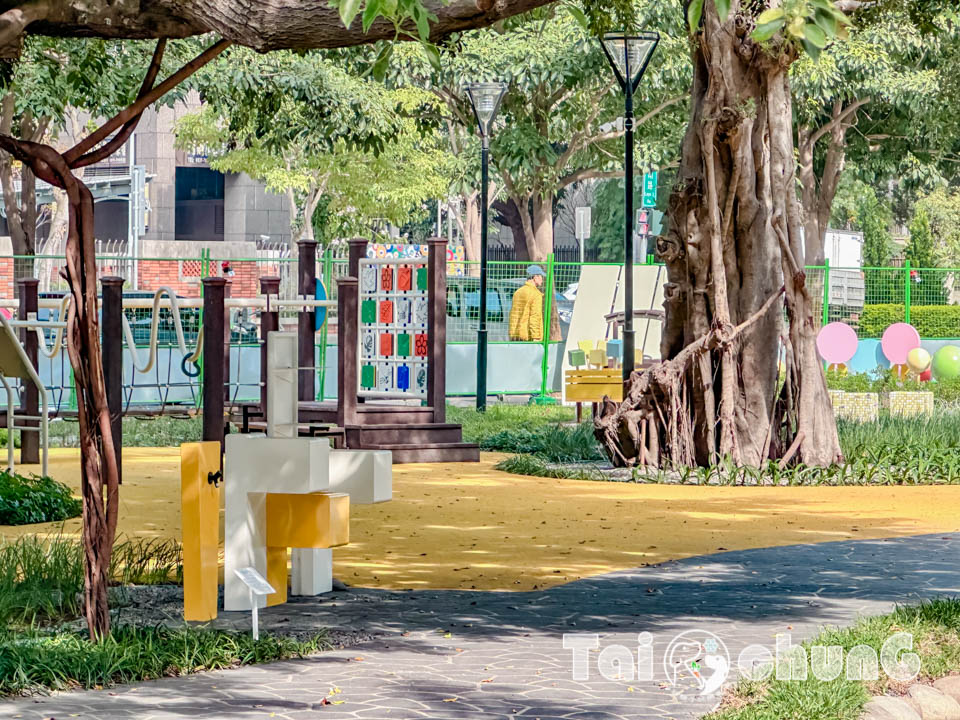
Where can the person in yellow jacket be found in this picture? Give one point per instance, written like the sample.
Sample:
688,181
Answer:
526,315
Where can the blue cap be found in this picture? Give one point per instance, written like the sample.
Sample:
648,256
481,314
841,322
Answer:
535,270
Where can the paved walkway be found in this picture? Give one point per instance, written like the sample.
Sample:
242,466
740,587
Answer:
455,655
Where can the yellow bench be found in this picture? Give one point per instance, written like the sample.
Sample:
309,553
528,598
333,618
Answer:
592,385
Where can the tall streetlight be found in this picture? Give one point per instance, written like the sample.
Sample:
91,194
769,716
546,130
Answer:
629,54
485,100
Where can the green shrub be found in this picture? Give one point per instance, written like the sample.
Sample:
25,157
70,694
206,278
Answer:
25,500
41,580
558,443
36,661
931,321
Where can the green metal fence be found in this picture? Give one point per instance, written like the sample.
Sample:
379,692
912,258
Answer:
867,298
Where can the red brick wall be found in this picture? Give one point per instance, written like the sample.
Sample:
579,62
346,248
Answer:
6,278
183,277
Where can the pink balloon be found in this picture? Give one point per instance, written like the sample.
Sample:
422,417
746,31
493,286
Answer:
837,343
898,340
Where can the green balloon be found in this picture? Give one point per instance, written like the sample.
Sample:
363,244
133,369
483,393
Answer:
946,363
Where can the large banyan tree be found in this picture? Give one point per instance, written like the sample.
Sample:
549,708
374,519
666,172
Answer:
740,376
260,24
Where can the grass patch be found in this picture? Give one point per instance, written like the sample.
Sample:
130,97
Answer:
478,427
41,581
34,499
34,661
935,626
533,465
554,443
159,431
889,451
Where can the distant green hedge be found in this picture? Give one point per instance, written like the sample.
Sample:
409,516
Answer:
931,321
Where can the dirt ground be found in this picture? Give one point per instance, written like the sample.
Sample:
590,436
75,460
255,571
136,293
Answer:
466,525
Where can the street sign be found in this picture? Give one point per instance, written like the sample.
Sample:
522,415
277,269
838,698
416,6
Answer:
650,189
583,223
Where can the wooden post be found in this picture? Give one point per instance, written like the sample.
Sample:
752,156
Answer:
437,327
213,352
30,400
227,335
306,356
269,322
111,332
358,251
347,339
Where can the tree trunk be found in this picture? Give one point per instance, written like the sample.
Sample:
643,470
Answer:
733,247
509,215
542,227
470,230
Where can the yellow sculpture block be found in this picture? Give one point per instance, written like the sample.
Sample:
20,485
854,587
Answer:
277,574
200,509
312,520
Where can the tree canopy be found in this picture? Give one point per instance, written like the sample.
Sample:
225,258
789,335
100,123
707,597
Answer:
317,133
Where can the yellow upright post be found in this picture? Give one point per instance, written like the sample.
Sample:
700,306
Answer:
200,518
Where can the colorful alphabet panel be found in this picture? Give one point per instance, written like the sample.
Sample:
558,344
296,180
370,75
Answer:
394,314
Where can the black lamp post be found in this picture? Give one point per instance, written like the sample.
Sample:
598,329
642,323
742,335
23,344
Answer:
629,55
485,100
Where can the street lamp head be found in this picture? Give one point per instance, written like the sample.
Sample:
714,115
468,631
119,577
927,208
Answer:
485,100
629,54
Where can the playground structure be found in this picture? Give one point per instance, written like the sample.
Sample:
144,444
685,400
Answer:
15,364
281,491
403,410
391,358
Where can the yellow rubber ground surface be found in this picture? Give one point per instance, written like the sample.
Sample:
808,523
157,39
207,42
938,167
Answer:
463,525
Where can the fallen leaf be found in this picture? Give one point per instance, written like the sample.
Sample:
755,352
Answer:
450,699
488,680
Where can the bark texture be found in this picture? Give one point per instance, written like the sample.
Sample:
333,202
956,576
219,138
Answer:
733,250
260,24
99,471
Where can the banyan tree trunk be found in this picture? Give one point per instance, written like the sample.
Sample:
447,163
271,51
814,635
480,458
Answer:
732,252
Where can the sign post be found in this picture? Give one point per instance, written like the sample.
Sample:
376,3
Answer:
649,190
259,587
583,222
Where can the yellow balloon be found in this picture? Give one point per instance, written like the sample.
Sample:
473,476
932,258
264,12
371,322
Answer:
918,360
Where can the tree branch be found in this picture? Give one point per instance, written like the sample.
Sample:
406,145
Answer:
838,118
142,103
14,21
106,150
263,25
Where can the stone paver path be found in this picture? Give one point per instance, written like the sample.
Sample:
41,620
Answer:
453,655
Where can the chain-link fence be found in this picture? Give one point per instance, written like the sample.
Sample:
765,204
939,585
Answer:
870,299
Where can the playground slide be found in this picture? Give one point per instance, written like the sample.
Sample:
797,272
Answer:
600,293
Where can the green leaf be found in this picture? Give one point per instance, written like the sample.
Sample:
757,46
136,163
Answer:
723,9
764,32
812,50
768,16
815,35
370,13
694,14
579,16
423,25
348,11
433,55
379,69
